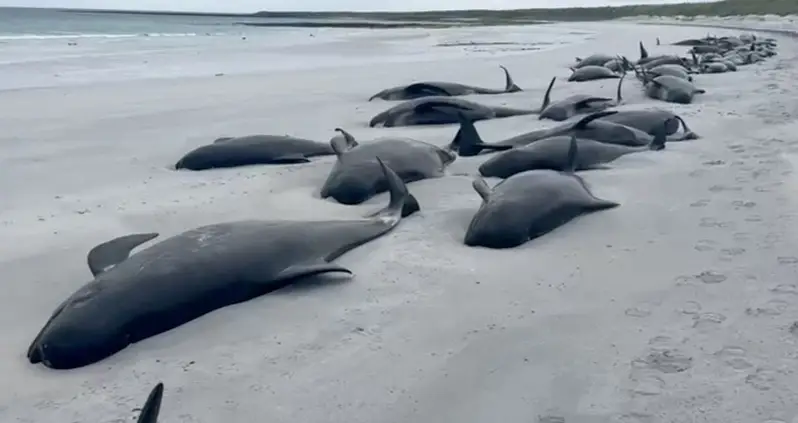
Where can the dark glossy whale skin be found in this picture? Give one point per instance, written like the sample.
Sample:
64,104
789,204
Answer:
356,175
193,273
440,111
530,204
437,88
252,150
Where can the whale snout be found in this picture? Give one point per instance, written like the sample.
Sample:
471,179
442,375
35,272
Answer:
69,348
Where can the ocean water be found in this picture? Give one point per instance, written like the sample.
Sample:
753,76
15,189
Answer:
33,24
44,48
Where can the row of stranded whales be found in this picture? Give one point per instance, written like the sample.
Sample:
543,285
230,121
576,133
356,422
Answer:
443,89
134,297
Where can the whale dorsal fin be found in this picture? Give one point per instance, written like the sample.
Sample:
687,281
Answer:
344,143
115,251
547,96
619,93
643,52
151,408
509,84
573,150
481,187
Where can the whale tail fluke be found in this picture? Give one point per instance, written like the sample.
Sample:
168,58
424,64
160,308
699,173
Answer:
401,204
467,142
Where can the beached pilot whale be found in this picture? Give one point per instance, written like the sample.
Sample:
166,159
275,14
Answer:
553,153
452,89
530,204
253,149
196,272
577,104
441,110
356,175
592,73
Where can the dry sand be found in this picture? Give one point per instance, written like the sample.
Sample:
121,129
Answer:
675,307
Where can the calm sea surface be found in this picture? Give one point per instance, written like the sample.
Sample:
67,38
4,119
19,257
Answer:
22,24
45,47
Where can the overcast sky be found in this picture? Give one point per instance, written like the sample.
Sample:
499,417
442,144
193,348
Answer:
363,5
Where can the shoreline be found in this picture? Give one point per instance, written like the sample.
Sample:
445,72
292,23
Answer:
428,330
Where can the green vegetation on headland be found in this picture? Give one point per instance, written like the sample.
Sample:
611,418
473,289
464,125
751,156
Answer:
500,17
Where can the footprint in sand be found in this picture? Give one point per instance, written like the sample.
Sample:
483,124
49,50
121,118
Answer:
665,361
743,204
786,288
773,307
690,308
762,379
705,245
711,277
734,357
728,254
639,311
707,320
721,188
711,222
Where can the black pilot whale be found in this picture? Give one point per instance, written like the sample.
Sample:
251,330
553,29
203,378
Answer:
133,297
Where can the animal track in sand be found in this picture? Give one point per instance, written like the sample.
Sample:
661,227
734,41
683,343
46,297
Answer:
731,252
711,277
665,361
711,222
690,308
707,320
786,288
551,419
721,188
705,245
787,260
647,385
762,379
734,357
639,311
773,307
743,204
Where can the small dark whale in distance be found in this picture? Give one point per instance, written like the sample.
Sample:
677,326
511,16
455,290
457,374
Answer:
434,88
253,149
439,111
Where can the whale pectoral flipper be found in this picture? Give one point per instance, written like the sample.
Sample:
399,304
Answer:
303,270
115,251
152,407
289,159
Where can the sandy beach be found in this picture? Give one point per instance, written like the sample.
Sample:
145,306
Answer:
677,306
